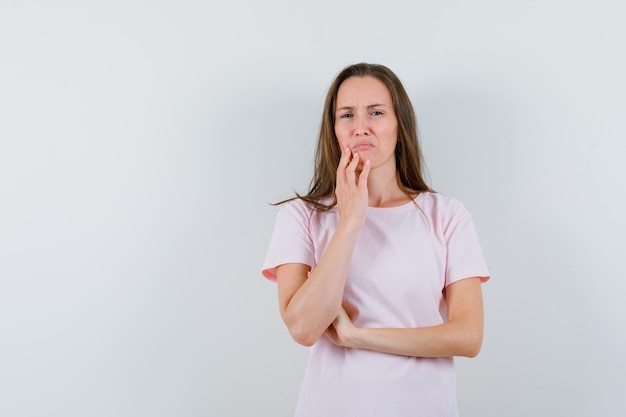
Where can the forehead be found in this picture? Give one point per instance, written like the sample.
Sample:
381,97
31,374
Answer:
362,90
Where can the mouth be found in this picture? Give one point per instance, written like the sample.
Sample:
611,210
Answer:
363,146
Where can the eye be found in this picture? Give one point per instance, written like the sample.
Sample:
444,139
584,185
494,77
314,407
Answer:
345,116
377,113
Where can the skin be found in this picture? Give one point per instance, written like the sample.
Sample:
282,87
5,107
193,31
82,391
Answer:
366,123
311,302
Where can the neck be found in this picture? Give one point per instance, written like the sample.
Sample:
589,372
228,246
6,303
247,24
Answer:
384,191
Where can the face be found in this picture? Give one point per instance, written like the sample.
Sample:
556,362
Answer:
365,121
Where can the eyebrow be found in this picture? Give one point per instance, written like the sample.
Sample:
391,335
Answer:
368,107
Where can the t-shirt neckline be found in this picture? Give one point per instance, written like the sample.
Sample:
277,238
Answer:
396,209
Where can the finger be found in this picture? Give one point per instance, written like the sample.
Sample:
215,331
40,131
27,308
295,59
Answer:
343,317
351,169
365,171
354,162
331,333
344,160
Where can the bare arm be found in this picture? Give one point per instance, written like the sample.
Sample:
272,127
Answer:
308,305
462,335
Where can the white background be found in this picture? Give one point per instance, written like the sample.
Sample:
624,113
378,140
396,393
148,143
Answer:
141,142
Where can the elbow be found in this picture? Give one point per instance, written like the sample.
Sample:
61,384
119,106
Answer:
472,351
473,344
301,331
303,337
305,340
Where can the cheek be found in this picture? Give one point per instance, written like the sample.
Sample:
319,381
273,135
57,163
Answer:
391,129
341,136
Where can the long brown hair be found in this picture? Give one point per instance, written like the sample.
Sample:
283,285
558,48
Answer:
409,158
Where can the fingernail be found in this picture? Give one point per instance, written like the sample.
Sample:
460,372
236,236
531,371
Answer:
367,162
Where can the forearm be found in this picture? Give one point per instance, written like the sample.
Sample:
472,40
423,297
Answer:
310,304
317,301
448,339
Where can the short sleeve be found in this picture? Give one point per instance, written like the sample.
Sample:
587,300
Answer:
291,240
464,254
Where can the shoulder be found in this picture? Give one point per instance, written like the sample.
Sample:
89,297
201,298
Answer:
439,204
445,213
296,207
300,207
301,211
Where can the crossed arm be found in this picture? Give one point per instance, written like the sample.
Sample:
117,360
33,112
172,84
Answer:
310,302
461,335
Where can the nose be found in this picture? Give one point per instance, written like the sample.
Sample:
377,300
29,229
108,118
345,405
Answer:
361,126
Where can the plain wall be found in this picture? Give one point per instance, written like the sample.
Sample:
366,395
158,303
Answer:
141,142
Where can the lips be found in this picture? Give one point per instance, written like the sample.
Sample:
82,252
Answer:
362,146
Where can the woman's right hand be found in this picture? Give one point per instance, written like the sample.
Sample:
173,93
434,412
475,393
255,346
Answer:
351,190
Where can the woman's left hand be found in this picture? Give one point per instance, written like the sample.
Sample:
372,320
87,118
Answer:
342,332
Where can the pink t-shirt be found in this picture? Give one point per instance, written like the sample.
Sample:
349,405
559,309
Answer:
403,259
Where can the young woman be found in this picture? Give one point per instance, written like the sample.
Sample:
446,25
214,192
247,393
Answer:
381,275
